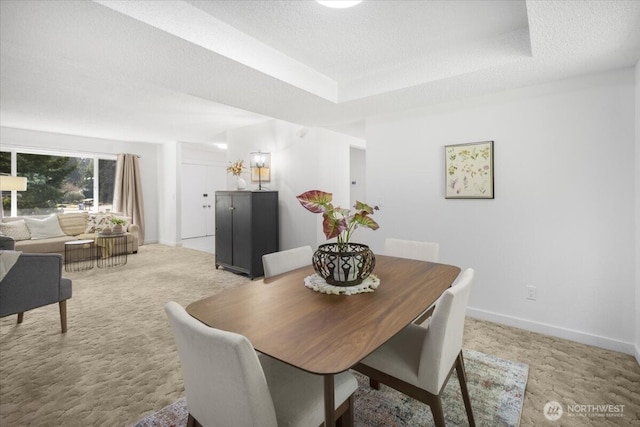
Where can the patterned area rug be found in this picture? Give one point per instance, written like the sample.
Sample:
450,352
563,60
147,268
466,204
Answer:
496,387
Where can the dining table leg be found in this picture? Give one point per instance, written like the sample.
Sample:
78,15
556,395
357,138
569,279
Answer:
329,401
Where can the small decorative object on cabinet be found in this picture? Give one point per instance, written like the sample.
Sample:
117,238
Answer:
342,263
246,229
241,184
236,169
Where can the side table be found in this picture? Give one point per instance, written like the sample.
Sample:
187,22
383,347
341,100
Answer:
78,255
111,250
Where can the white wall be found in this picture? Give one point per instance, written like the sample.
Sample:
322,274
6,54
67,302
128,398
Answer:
54,142
357,175
637,214
563,208
168,184
202,154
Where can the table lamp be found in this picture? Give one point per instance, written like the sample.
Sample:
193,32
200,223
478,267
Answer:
260,168
12,183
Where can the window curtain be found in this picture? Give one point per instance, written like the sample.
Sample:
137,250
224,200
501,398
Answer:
127,195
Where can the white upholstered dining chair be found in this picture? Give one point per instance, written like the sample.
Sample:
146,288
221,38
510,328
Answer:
280,262
418,361
418,250
228,384
412,249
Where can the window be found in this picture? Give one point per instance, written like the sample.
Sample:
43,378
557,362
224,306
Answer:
59,183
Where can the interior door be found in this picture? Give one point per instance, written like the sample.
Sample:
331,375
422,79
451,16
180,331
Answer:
199,184
216,180
194,204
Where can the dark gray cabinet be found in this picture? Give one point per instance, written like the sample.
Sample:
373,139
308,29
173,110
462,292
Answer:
246,229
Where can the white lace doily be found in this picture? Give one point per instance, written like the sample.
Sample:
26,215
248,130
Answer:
318,284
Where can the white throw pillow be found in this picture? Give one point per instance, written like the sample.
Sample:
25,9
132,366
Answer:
44,228
16,229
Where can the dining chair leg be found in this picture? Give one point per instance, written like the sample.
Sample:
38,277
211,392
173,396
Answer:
20,317
436,410
462,378
346,419
374,384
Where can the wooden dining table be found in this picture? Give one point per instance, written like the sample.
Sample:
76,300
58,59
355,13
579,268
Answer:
320,333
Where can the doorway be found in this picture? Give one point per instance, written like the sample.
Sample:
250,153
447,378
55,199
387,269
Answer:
199,184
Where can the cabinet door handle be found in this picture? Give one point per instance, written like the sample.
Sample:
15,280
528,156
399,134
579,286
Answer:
231,208
204,206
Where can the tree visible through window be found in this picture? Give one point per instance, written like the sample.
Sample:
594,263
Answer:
5,169
46,178
106,179
60,183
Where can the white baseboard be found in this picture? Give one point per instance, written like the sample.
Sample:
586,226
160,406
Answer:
555,331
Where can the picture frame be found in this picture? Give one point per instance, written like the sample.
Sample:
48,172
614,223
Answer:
469,171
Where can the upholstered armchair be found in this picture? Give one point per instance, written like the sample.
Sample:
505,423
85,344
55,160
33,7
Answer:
7,243
35,280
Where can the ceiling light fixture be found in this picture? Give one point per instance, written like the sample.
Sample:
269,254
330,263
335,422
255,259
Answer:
339,4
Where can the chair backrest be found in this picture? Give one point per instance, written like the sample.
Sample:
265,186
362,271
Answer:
443,341
412,249
280,262
224,381
35,280
7,243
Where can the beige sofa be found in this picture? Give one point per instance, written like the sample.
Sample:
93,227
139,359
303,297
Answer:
47,234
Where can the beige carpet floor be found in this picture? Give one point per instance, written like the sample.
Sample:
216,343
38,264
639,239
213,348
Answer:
118,362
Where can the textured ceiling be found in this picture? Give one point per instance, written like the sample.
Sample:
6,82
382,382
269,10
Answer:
346,45
190,70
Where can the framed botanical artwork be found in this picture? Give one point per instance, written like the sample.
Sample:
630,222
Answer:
469,170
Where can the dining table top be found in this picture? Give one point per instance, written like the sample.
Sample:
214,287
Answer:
323,333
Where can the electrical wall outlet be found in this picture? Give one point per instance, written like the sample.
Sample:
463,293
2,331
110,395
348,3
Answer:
531,293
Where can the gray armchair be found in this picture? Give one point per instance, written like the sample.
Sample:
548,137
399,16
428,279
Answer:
35,280
7,243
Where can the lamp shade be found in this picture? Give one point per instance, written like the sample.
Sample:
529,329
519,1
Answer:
9,183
